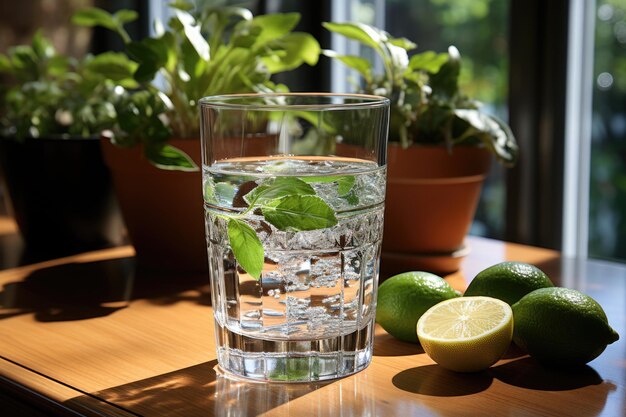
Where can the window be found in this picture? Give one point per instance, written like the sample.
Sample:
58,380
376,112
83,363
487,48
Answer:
607,183
479,29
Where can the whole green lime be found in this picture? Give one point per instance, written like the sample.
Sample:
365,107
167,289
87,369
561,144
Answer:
508,281
403,298
561,326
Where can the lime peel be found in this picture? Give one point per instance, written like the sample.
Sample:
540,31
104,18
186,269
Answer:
403,298
561,327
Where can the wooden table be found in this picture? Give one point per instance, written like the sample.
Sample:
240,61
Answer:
89,335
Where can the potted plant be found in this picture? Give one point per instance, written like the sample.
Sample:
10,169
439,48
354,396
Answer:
440,149
203,51
59,189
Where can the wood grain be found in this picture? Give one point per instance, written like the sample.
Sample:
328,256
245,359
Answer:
97,336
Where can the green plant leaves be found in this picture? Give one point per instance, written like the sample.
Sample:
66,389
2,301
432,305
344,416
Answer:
114,66
5,63
363,33
151,54
362,65
125,16
208,48
444,82
499,134
403,43
291,51
274,26
426,104
246,247
94,16
41,46
192,32
59,95
428,61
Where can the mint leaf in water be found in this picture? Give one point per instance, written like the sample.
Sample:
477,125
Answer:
299,212
278,187
287,203
345,185
246,247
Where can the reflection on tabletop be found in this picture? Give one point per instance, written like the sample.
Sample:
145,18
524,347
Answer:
59,291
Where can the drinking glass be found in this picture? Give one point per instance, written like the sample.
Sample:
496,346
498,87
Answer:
294,189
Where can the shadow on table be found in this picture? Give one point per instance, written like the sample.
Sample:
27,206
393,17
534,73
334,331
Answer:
525,373
528,373
436,381
78,291
201,391
387,345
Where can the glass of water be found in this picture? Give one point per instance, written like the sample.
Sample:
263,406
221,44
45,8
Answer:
294,189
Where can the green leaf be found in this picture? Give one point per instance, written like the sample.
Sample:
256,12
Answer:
494,134
362,65
125,16
112,65
148,50
228,12
445,82
23,58
146,71
151,54
168,43
345,184
398,57
246,247
192,32
5,64
299,212
274,25
94,16
298,47
403,43
58,65
181,5
140,52
168,157
361,32
41,46
278,187
428,61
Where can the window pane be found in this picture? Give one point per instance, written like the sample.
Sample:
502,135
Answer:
479,29
607,192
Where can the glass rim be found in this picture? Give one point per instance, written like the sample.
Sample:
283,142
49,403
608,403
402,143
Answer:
230,101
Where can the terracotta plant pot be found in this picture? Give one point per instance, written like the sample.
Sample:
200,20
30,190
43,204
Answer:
430,204
162,209
60,194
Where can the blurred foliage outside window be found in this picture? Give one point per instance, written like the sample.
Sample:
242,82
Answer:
607,188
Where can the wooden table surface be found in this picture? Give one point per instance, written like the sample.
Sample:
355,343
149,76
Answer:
90,335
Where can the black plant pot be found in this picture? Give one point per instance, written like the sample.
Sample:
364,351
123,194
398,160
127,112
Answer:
61,194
